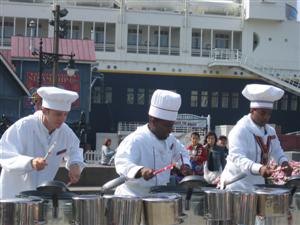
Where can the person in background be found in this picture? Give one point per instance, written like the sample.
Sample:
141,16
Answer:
198,154
152,147
36,101
106,152
222,142
32,149
253,143
216,158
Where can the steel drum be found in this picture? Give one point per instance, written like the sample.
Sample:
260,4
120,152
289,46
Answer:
88,210
218,204
162,209
57,208
295,209
244,205
122,210
19,211
272,202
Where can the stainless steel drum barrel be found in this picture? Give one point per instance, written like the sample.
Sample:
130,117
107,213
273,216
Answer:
272,202
88,210
122,210
57,207
218,204
19,211
162,209
244,205
295,209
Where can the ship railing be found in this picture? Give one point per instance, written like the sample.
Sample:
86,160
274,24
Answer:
225,54
153,50
6,42
108,47
204,52
128,127
291,77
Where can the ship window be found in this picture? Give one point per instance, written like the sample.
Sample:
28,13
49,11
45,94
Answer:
75,32
99,34
204,99
141,96
214,99
96,95
133,36
196,40
194,98
150,93
255,41
235,100
225,99
284,103
8,29
164,38
108,95
222,41
130,96
294,103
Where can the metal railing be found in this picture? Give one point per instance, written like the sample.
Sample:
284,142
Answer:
288,79
153,50
92,157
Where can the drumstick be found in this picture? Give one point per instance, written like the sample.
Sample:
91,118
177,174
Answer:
169,167
182,163
50,150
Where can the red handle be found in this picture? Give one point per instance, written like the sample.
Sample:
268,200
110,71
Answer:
169,167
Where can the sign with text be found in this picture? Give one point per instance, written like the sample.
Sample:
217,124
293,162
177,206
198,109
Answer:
71,83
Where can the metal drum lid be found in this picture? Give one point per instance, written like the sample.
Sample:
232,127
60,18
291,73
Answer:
271,191
162,197
20,200
87,197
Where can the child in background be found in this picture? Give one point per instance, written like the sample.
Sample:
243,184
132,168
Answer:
198,154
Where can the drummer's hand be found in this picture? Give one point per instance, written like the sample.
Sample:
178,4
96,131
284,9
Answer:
287,169
265,171
146,173
74,173
38,163
186,170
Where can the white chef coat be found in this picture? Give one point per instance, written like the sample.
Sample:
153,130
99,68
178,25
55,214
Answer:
142,149
26,139
245,153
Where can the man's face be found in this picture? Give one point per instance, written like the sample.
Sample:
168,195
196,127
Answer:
161,128
261,116
54,118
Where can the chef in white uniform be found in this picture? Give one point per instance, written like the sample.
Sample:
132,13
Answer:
252,142
151,147
24,145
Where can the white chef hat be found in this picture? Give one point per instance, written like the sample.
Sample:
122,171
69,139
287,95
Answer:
56,98
262,96
165,105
